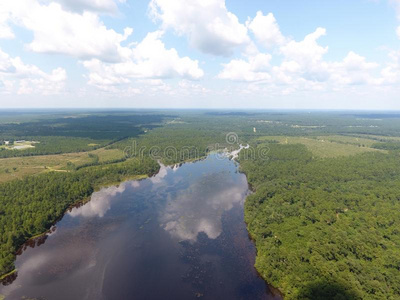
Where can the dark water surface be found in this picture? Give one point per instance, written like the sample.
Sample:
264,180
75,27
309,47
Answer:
178,235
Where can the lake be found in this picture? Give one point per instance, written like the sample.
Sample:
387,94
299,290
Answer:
177,235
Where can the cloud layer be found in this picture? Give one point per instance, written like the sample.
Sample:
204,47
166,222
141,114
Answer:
253,52
19,78
301,64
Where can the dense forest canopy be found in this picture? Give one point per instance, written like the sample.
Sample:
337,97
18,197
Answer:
326,229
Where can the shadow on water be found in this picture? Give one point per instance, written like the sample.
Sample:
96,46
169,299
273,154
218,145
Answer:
9,279
324,289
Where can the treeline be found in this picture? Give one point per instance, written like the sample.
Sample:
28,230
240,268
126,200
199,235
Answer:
387,146
95,161
76,133
55,145
97,126
30,206
174,144
326,229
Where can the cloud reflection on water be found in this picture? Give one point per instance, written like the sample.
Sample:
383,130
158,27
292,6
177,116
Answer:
201,206
99,203
158,178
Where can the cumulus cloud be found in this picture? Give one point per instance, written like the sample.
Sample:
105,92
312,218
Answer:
5,30
266,30
306,52
391,73
118,66
104,6
208,24
20,78
353,70
302,57
254,69
301,64
149,59
189,87
78,32
58,31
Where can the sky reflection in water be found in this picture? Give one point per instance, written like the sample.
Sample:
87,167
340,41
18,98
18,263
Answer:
179,233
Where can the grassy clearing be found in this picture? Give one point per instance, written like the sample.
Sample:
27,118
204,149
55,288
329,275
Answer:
327,146
19,167
358,141
106,155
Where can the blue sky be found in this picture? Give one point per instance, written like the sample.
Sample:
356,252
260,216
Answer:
200,54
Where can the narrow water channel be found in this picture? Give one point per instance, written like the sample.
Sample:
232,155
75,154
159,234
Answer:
177,235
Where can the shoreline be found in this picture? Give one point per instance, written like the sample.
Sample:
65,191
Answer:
78,203
274,290
5,276
86,200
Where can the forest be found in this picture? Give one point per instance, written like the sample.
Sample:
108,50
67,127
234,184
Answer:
326,229
67,133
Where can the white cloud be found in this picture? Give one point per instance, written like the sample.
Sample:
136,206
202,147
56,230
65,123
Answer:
106,6
391,73
300,59
84,36
149,59
75,28
5,30
301,65
209,26
189,87
266,30
306,52
353,70
255,69
58,31
20,78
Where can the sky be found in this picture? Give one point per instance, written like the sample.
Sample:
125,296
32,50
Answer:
267,54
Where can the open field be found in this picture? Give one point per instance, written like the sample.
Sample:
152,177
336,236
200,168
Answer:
328,146
342,139
18,167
